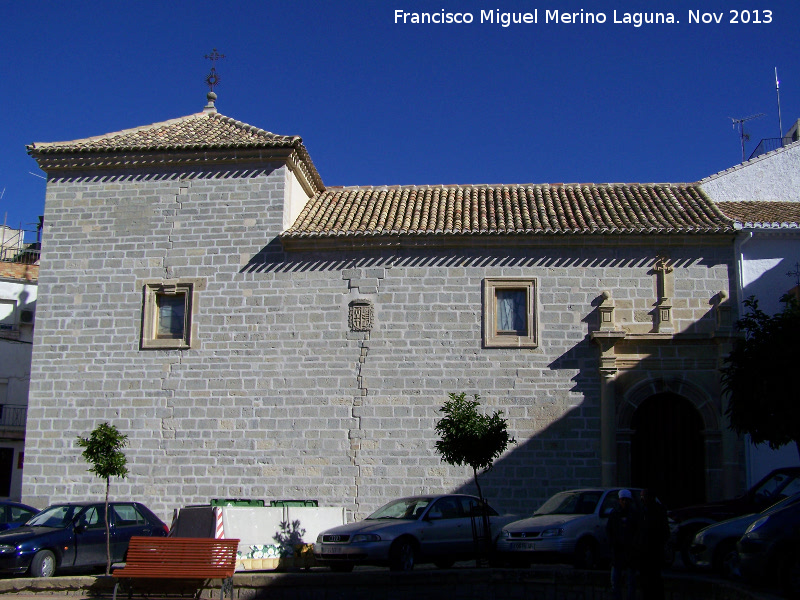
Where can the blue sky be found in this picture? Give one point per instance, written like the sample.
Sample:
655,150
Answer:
379,102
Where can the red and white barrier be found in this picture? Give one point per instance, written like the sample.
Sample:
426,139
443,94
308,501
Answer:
219,531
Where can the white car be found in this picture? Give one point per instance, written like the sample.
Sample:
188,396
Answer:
570,526
437,529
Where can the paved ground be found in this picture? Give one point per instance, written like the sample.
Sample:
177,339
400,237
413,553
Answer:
75,587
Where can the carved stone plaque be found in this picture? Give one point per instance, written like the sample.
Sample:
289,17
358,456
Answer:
361,315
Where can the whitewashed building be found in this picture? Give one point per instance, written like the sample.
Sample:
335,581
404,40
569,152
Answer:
18,292
762,195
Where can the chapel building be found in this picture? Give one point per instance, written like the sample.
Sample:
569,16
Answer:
257,334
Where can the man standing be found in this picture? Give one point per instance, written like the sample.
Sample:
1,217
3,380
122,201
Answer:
654,533
623,535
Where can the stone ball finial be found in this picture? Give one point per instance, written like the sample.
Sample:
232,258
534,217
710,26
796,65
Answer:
210,108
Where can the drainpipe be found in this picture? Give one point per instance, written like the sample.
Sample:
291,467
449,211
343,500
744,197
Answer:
742,238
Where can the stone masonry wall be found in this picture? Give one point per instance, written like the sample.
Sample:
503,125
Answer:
280,399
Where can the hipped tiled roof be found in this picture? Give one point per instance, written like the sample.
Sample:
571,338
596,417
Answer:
763,214
201,130
197,132
510,209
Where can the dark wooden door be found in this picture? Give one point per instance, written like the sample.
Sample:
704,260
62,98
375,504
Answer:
667,450
6,470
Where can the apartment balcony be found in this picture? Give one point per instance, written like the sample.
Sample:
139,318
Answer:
770,144
12,419
20,245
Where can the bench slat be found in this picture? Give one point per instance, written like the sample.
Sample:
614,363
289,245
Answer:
179,558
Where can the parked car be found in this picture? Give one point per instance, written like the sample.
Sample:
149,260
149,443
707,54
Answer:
714,547
769,551
570,526
404,532
686,522
14,514
67,536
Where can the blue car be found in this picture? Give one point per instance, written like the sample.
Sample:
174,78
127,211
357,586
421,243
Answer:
14,514
73,536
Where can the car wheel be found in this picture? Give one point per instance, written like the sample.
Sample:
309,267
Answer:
726,559
686,555
402,555
43,564
585,554
445,562
669,553
790,575
342,568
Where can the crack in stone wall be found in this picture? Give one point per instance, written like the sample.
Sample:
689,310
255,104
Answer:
363,283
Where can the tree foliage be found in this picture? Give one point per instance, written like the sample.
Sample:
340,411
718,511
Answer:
469,437
103,451
759,379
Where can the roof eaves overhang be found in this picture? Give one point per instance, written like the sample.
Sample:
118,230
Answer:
381,241
53,161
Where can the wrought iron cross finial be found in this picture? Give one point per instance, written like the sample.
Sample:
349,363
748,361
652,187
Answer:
212,79
795,273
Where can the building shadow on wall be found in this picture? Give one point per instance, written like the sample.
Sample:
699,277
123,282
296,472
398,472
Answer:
565,450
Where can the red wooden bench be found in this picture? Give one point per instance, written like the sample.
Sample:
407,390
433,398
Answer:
179,558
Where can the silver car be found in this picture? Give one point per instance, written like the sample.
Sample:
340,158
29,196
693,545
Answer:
570,526
714,547
437,529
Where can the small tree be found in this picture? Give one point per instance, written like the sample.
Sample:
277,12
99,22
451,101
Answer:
103,450
758,376
469,437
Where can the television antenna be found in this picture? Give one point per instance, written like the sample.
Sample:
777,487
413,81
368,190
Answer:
742,135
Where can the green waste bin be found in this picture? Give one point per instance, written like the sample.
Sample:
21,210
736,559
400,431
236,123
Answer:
236,502
284,503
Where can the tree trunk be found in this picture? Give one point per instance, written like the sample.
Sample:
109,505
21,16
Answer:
108,531
478,485
485,549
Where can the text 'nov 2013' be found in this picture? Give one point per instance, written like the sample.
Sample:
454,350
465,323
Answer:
583,17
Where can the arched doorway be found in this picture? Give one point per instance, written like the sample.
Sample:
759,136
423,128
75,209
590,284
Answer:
668,450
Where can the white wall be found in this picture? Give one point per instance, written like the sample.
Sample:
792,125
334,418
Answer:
765,257
770,177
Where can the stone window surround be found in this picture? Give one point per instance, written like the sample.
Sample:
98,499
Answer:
187,287
491,338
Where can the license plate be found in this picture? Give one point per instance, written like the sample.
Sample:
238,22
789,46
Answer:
523,546
333,550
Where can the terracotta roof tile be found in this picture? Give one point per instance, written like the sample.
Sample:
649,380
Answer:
510,209
200,131
762,214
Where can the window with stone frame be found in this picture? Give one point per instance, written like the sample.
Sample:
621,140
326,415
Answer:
509,313
167,318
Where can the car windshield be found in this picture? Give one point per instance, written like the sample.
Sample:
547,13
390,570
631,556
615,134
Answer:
571,503
777,487
407,509
55,516
793,499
